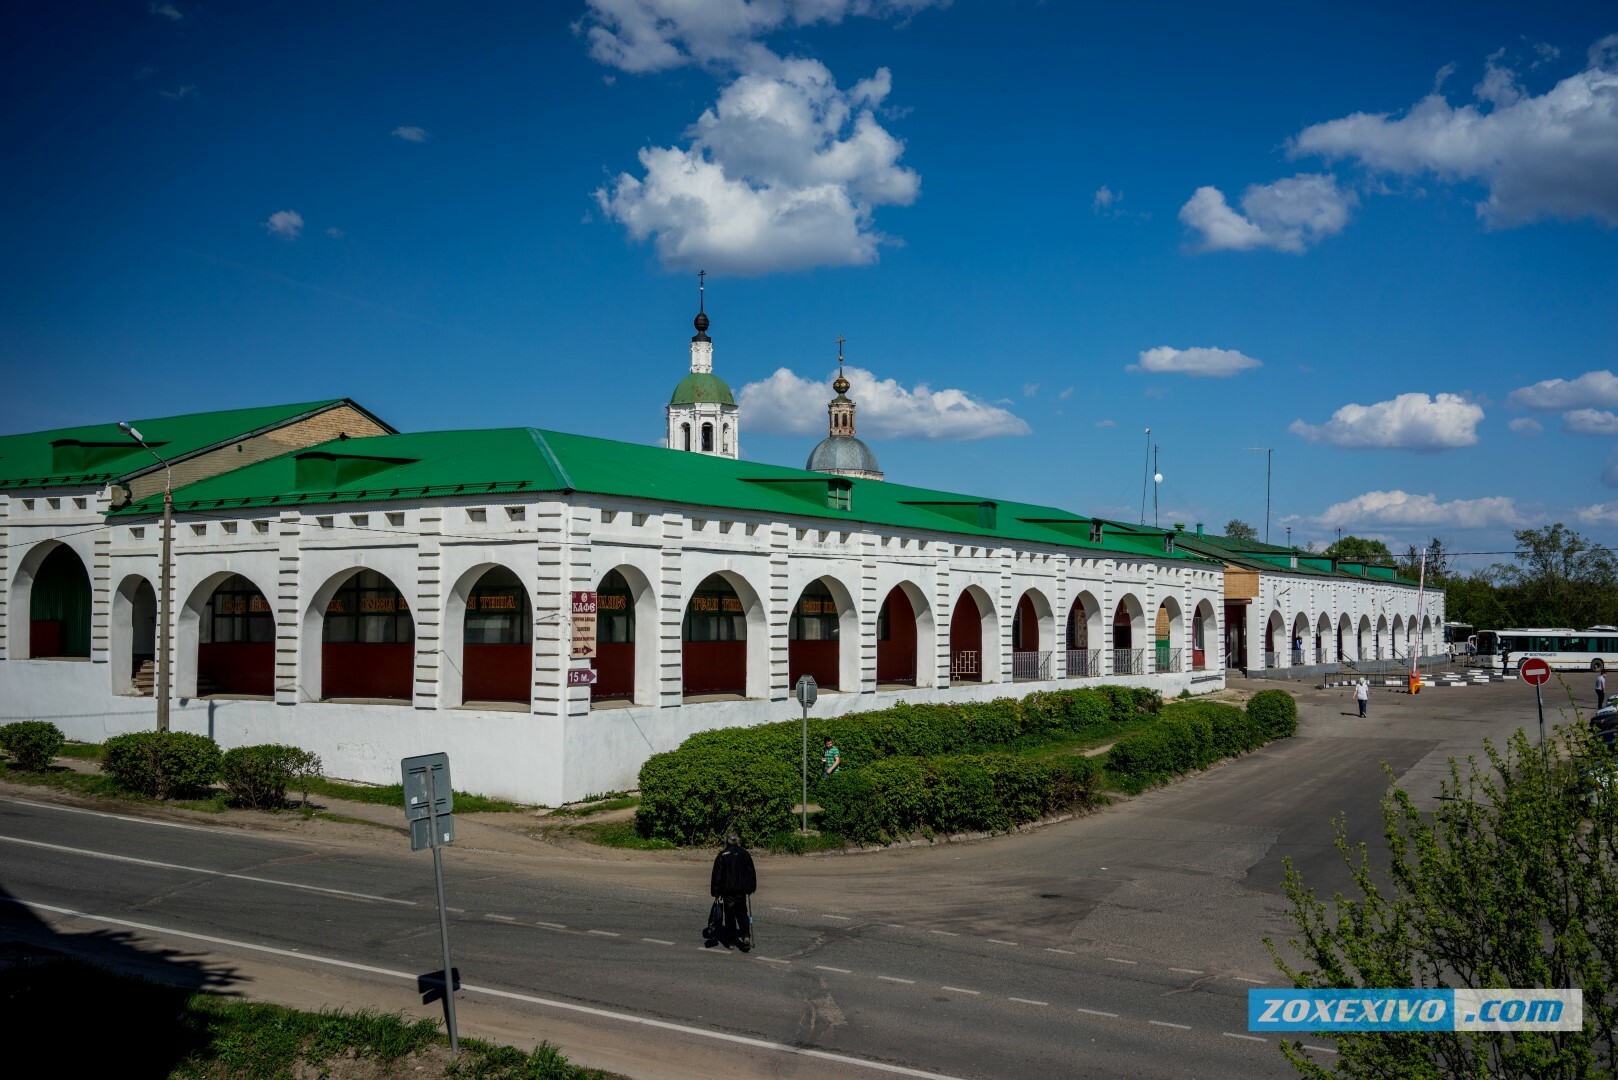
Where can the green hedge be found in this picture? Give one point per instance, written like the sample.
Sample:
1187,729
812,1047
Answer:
258,776
162,764
694,798
902,796
1195,734
32,744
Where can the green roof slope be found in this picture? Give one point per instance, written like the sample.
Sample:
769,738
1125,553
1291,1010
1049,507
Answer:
99,453
524,460
1257,555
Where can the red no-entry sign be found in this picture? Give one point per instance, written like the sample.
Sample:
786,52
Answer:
1535,671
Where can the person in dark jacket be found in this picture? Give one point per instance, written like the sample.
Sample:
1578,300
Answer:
733,882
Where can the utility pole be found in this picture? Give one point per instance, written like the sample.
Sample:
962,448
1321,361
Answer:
165,602
1157,482
1269,457
1146,480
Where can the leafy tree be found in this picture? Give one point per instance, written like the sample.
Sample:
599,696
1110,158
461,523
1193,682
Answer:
1437,562
1511,882
1474,600
1559,579
1237,529
1357,549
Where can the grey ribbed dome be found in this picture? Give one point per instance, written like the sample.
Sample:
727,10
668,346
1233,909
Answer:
844,455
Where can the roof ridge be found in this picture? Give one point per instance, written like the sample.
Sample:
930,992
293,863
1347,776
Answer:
551,459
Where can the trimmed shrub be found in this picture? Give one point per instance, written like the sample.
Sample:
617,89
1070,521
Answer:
162,764
257,777
32,743
1276,710
693,796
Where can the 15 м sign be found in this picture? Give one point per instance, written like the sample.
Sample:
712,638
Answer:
584,625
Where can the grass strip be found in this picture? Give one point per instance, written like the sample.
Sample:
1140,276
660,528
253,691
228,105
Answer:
393,795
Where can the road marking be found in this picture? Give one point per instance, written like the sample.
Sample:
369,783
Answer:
1165,1023
1188,971
960,990
1028,1001
791,909
107,855
115,817
944,933
1096,1012
1249,1038
771,960
656,941
894,978
839,918
552,925
840,971
1255,982
532,999
893,926
1115,960
603,933
502,918
1064,952
997,941
1319,1049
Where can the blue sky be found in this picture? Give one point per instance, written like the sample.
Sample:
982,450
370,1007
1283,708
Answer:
1382,243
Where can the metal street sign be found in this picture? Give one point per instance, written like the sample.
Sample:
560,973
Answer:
584,625
807,690
428,772
806,698
432,832
1535,671
581,676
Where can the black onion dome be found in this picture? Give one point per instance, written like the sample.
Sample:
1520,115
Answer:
701,322
840,385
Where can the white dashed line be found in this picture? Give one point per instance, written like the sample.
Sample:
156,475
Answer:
1255,982
1187,971
1319,1049
791,909
997,941
893,926
1115,960
895,978
1028,1001
552,925
771,960
840,971
501,918
1064,952
656,941
603,933
1165,1023
839,918
944,933
1249,1038
456,910
1096,1012
960,990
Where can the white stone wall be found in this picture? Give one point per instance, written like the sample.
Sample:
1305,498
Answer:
1300,603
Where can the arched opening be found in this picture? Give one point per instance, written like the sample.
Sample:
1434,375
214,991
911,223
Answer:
1203,630
812,638
1236,630
973,639
1399,643
615,640
1298,651
724,440
59,607
1274,630
896,640
1084,644
1381,636
1362,639
714,640
685,436
368,640
236,642
1166,633
1427,635
1128,618
1322,631
1033,629
1345,627
134,637
497,656
707,438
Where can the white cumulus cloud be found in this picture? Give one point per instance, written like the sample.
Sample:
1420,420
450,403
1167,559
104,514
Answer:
410,133
783,404
1526,425
1552,155
1590,422
1408,422
1395,508
166,11
1593,388
1215,363
1288,215
287,224
1598,514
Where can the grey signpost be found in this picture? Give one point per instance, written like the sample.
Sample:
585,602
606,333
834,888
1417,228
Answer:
1536,671
806,697
429,798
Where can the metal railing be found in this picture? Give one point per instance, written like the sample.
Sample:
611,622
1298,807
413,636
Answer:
964,664
1297,657
1129,661
1030,665
1168,659
1272,658
1084,663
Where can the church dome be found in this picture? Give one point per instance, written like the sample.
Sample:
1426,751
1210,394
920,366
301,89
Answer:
844,455
702,387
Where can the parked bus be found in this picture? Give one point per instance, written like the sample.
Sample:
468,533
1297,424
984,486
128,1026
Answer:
1595,649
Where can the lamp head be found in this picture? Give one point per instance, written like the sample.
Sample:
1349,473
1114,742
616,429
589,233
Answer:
128,429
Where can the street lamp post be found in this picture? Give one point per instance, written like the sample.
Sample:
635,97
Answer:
164,603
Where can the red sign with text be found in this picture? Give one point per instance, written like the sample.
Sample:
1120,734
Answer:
1535,671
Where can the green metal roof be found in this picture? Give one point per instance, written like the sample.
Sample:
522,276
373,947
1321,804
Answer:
96,454
513,461
700,386
1257,555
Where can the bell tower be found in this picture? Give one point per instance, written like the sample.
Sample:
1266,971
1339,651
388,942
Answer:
702,415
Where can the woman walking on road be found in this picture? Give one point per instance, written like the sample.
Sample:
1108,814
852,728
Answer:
1362,694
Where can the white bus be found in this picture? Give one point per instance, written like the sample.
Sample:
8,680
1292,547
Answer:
1595,649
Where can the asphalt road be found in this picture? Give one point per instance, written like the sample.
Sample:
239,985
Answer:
1119,944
